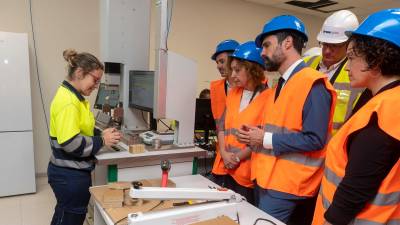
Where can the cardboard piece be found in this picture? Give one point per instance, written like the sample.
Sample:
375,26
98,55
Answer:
119,214
113,198
222,220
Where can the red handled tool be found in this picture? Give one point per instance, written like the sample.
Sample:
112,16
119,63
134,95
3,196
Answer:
165,167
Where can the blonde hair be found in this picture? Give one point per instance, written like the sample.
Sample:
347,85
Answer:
86,61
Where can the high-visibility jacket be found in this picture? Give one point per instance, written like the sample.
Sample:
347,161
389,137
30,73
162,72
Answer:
384,208
293,173
346,95
70,116
218,99
218,103
234,119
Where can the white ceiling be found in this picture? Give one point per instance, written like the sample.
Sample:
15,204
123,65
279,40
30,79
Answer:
362,8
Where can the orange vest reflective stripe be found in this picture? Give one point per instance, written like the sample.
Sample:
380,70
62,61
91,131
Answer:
385,207
294,173
218,102
234,119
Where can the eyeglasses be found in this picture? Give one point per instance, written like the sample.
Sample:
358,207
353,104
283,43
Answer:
95,78
332,46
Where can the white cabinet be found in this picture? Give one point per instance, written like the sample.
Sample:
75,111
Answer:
17,169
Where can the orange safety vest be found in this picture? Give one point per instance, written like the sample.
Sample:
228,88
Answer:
218,103
218,99
294,173
234,119
385,207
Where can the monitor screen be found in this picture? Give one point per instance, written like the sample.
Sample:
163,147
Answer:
203,118
113,96
141,90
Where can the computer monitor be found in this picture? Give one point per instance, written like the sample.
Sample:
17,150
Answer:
106,90
204,119
141,90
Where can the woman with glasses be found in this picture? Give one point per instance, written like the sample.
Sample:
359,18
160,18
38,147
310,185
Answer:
74,140
361,182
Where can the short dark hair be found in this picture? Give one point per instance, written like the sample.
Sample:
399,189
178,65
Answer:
205,93
298,38
377,53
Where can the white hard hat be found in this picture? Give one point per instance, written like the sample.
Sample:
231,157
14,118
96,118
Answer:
334,27
313,51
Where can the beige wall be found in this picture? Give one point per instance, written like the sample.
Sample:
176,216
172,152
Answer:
58,24
197,26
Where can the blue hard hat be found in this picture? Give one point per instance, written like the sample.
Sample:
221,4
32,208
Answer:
384,25
284,22
250,52
225,46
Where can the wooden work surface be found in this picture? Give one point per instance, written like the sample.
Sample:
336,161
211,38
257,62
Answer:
119,214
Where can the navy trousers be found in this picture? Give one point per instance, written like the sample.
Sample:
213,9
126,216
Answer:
291,211
71,188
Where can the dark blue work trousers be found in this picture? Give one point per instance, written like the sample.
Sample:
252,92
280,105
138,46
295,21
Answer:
296,211
71,188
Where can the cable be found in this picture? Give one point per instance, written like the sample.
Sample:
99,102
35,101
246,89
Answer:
262,219
37,69
161,202
169,24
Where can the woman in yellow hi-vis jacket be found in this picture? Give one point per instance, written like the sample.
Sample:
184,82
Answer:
74,140
361,184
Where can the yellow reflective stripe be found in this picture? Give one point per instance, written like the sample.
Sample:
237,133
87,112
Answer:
355,94
380,199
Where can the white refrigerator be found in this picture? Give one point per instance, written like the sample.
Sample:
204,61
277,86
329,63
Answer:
17,170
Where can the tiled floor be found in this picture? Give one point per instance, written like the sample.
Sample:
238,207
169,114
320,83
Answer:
37,209
30,209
